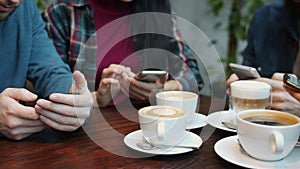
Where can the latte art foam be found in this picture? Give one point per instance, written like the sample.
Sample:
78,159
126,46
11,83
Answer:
164,112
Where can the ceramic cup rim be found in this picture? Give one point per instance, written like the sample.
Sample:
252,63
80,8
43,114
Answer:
243,112
250,89
265,87
159,95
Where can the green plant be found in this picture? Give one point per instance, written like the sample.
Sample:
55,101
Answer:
241,13
42,4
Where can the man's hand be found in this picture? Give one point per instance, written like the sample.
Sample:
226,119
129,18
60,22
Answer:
231,79
293,93
18,121
281,99
67,112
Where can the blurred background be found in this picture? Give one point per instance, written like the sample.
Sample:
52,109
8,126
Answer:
224,22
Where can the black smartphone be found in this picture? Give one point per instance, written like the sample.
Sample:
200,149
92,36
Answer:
244,72
291,81
150,75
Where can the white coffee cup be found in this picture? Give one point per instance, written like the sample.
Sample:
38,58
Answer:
267,134
163,125
187,101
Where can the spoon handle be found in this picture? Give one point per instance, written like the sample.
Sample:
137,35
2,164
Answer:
177,146
229,125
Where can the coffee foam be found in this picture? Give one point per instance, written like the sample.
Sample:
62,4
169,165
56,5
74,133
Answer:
174,98
248,89
176,95
164,112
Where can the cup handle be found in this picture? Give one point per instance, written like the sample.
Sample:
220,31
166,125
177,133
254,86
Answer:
161,130
277,142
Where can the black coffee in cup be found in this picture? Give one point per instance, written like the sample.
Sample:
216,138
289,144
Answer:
267,135
270,119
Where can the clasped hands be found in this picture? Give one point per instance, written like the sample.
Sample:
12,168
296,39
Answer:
118,79
65,112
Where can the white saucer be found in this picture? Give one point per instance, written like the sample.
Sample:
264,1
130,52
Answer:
229,149
199,121
215,119
135,137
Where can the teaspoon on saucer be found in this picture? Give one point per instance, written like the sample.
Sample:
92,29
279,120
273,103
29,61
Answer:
148,146
229,125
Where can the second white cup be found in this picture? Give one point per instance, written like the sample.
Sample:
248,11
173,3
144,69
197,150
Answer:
187,101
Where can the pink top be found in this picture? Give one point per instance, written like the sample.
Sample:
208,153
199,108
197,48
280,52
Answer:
106,11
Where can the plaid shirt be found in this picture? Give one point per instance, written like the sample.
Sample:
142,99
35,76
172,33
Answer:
70,24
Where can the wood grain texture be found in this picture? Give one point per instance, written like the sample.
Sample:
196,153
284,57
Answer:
54,149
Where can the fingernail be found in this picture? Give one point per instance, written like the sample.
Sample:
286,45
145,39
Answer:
40,102
53,97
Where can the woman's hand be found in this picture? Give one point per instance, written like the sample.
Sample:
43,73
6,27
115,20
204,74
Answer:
281,99
110,86
141,91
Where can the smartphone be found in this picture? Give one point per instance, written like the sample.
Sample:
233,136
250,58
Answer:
150,75
244,72
292,82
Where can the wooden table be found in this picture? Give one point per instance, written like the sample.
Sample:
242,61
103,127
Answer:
54,149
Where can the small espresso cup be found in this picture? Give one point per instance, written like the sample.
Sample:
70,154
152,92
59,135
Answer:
187,101
249,94
267,135
163,125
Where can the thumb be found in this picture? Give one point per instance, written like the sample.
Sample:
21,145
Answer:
79,83
20,94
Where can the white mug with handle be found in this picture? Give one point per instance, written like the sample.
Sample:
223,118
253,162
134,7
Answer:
163,125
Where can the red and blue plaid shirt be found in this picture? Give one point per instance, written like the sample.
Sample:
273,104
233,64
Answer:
70,24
